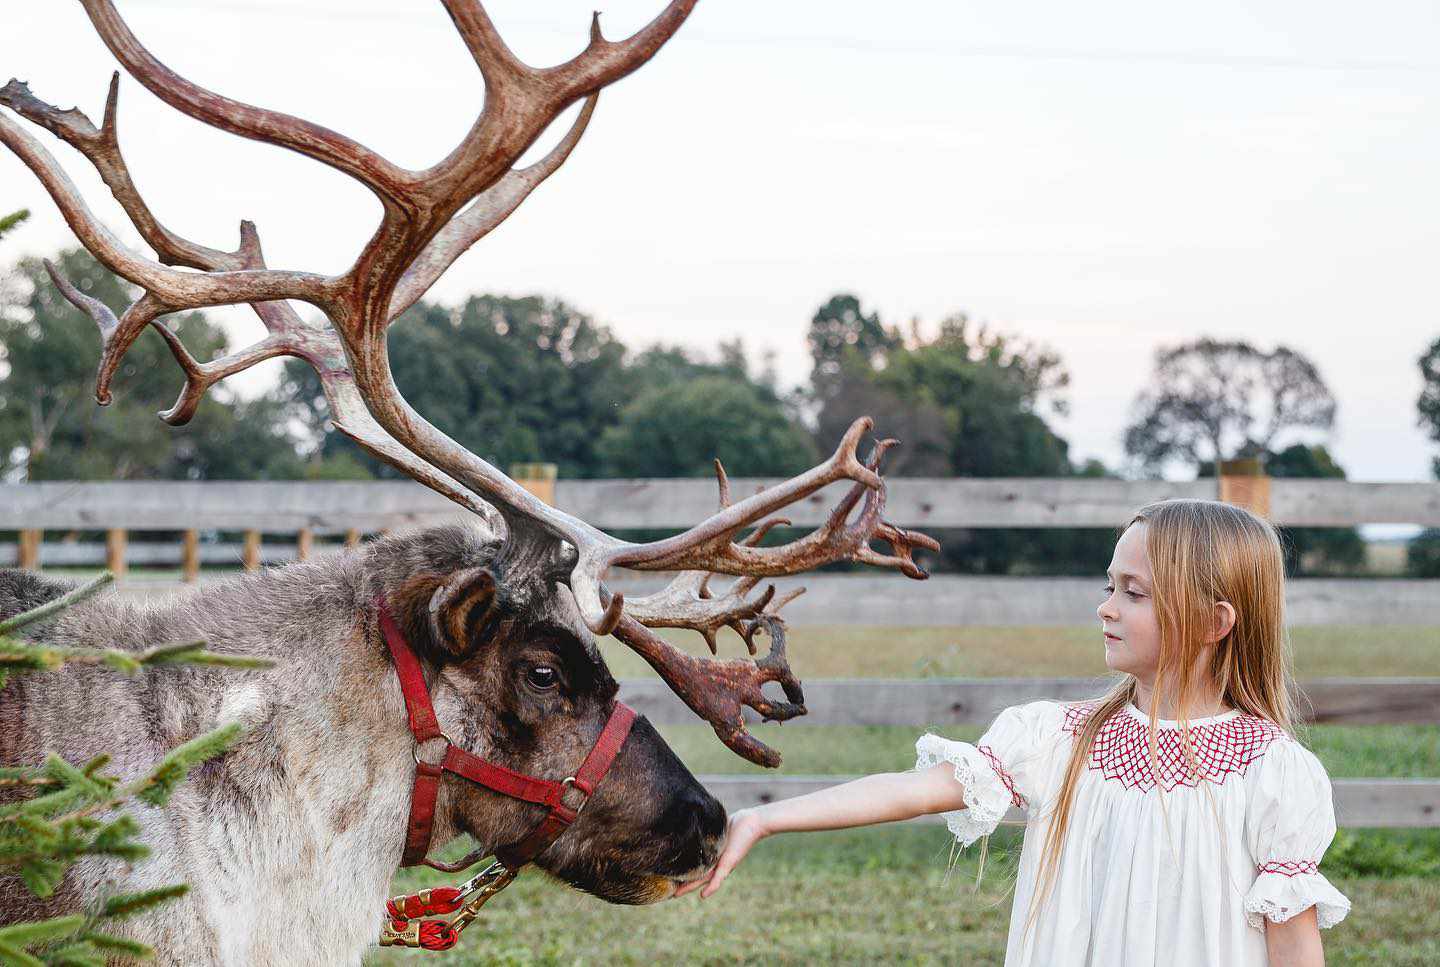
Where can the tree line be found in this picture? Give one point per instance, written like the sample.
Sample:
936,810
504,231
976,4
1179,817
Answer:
534,379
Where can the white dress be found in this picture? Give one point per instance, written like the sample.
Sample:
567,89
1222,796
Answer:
1181,871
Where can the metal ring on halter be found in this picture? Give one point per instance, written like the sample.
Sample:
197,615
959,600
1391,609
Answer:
415,749
570,782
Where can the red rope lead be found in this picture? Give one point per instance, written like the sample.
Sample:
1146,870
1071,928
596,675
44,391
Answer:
437,935
442,899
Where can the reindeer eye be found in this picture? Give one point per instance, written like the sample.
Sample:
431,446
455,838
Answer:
542,677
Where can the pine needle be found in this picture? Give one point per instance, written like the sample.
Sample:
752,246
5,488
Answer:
59,604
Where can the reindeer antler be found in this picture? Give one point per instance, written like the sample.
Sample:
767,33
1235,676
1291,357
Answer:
429,218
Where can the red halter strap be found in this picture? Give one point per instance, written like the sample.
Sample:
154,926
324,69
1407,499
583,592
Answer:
545,792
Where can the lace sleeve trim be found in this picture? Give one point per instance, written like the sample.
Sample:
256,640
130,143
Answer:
1285,889
988,790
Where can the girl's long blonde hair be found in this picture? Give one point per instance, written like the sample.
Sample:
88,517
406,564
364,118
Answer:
1201,552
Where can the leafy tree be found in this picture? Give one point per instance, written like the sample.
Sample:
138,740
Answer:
512,380
839,330
1209,399
1429,402
51,429
992,388
1333,548
55,814
679,429
970,402
1422,554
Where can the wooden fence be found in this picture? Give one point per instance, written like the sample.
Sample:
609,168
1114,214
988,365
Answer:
939,703
301,511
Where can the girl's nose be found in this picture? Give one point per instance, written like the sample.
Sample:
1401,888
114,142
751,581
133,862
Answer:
1105,611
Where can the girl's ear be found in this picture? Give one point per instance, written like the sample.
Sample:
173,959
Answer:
1224,621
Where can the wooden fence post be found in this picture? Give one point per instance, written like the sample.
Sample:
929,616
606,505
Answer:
352,538
252,550
303,541
538,478
1244,483
115,541
190,557
29,550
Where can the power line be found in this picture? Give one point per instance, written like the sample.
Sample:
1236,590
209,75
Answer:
1165,58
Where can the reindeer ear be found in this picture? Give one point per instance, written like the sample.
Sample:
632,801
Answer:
464,612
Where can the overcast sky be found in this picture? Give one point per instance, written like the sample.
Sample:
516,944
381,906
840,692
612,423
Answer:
1102,178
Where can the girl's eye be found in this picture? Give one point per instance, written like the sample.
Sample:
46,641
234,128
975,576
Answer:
1108,589
1134,595
543,677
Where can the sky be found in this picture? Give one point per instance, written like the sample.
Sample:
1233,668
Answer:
1102,179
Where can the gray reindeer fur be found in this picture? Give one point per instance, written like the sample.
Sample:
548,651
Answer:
290,840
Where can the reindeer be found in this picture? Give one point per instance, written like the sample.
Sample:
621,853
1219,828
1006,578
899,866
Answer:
480,637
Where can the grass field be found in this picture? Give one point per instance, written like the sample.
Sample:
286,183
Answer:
884,895
859,896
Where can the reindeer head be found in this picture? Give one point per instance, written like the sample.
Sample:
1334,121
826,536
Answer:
540,597
522,683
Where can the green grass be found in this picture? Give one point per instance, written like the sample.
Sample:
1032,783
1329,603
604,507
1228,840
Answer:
1004,652
857,896
884,895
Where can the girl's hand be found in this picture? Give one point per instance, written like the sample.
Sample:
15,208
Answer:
746,828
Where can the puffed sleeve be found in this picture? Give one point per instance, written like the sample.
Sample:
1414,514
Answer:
999,771
1289,823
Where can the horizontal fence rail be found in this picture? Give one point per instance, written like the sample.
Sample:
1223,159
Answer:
1358,802
950,600
939,702
335,506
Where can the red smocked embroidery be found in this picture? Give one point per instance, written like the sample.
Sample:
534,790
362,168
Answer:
1290,867
1015,798
1122,748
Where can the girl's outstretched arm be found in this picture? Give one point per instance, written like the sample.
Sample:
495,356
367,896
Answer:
883,798
1296,942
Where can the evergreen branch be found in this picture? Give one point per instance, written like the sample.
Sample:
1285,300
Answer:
130,948
127,904
41,931
157,787
80,954
59,604
23,655
25,776
15,957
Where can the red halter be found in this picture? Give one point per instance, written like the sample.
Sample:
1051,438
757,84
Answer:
545,792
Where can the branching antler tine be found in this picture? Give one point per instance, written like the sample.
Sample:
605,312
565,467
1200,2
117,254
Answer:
903,543
483,215
102,148
98,311
775,667
387,180
717,690
179,290
754,538
116,335
497,63
698,548
723,480
199,377
604,62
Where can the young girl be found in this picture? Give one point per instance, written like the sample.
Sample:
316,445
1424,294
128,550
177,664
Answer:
1174,820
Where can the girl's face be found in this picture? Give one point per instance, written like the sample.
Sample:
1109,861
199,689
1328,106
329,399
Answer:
1127,615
